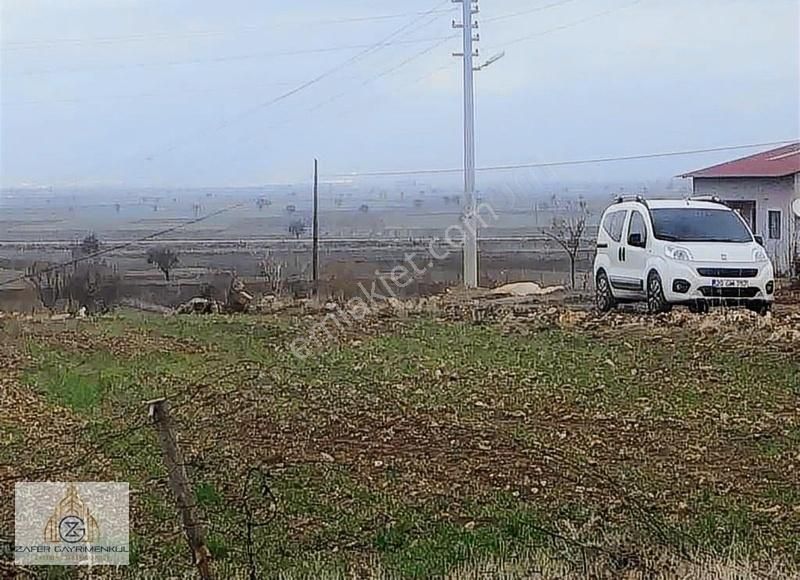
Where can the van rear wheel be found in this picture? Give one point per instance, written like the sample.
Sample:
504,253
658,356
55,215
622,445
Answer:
604,299
656,302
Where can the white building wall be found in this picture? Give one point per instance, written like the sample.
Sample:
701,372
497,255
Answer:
769,193
796,228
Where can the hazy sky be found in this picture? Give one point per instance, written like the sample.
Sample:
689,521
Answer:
168,92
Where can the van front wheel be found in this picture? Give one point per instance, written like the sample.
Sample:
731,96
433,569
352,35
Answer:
656,302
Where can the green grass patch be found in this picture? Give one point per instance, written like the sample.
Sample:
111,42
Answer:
331,515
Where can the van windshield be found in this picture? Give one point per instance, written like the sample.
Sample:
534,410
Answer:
699,225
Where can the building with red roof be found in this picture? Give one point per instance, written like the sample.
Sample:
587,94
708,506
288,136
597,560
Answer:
765,189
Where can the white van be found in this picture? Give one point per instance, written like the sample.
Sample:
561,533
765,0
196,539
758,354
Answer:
697,252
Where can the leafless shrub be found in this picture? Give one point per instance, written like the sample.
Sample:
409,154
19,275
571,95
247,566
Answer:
274,273
568,229
94,285
49,282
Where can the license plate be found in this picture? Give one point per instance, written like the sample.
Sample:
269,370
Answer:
723,283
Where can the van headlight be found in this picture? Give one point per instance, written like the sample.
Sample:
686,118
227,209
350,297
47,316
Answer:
759,255
678,253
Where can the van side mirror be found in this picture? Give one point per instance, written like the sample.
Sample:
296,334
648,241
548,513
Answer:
759,240
636,240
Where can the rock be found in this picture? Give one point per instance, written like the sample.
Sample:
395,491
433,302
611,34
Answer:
199,306
526,289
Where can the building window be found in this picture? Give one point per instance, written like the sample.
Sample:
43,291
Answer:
774,222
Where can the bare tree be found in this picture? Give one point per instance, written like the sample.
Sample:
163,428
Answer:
567,230
94,285
297,228
163,257
274,273
49,281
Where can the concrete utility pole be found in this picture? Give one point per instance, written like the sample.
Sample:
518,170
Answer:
470,255
470,218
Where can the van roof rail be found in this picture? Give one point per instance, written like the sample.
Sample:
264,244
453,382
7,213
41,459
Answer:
708,198
636,198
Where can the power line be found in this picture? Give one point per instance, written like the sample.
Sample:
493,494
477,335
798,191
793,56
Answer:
43,43
384,73
146,36
297,52
386,41
567,163
528,11
218,59
268,103
119,247
180,91
369,80
570,24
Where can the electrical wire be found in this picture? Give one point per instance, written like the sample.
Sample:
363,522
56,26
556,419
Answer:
219,59
122,246
183,91
384,73
570,24
325,74
369,80
589,161
45,43
524,12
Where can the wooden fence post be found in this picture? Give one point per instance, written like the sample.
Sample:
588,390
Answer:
180,486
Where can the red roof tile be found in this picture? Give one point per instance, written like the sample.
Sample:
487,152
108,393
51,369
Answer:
778,162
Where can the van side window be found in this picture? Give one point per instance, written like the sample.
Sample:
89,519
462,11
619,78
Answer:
638,226
613,224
